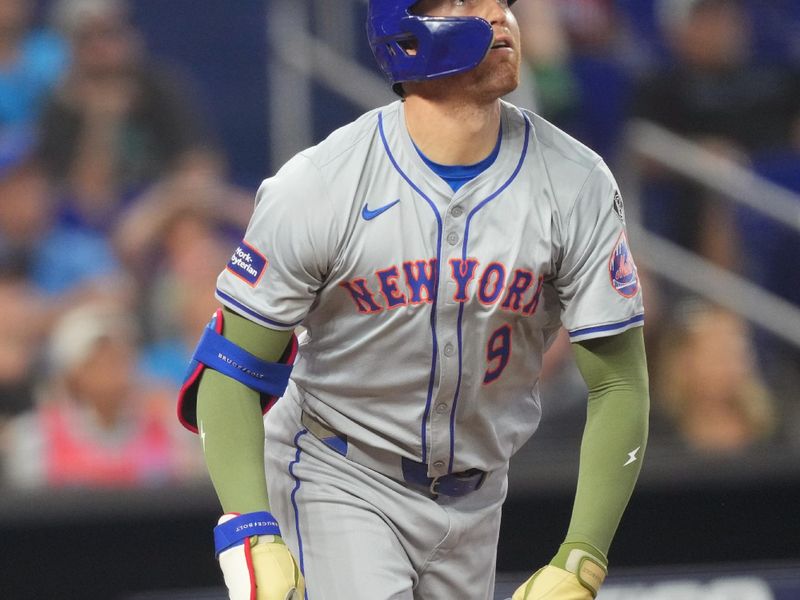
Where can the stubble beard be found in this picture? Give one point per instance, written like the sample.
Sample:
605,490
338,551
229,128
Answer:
484,84
492,80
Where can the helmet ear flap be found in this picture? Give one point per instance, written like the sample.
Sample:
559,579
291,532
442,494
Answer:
399,50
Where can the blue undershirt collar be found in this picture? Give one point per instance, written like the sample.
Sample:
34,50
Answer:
457,175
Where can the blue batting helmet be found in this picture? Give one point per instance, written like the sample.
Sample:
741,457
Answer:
442,45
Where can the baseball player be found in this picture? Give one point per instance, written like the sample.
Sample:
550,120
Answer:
431,250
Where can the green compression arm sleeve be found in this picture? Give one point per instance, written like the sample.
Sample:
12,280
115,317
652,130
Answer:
230,423
614,438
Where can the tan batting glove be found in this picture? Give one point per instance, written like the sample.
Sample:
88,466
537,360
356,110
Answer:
260,567
575,573
277,574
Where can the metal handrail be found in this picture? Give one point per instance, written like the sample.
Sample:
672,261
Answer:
297,57
733,181
691,271
687,269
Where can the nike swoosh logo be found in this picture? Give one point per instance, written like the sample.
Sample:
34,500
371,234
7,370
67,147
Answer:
368,214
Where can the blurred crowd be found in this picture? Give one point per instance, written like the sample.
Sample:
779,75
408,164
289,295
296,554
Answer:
111,238
725,75
112,228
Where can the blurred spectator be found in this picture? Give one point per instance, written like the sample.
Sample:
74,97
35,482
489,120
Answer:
31,63
21,331
715,94
44,268
60,261
579,56
182,299
176,240
98,422
545,51
118,122
143,227
602,63
766,246
715,90
708,383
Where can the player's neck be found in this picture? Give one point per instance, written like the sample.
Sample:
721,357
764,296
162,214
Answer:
454,133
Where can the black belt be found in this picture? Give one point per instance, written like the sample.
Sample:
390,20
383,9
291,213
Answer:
414,473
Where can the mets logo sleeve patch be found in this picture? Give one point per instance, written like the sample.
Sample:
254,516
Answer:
622,270
247,263
597,281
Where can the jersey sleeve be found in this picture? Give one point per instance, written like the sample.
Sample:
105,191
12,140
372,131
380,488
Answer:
597,280
275,272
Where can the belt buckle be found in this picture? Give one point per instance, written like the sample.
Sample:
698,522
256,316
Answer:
433,486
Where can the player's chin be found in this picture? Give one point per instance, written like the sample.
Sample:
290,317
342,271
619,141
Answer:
502,80
501,70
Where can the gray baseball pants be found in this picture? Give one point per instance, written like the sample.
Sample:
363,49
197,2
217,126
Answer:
360,535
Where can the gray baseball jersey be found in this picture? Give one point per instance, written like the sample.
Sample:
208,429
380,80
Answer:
427,312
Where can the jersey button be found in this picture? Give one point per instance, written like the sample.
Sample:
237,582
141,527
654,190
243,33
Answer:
439,464
441,408
449,350
452,238
457,211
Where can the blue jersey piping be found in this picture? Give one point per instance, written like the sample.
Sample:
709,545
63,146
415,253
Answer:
292,465
459,334
609,327
434,300
230,300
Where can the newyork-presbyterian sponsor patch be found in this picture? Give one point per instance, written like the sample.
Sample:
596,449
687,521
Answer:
247,263
622,270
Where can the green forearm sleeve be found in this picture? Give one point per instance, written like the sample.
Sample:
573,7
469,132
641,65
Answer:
615,436
231,427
